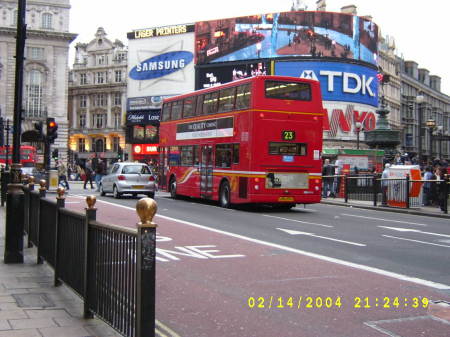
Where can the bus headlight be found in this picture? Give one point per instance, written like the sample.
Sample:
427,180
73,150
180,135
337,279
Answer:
257,187
317,188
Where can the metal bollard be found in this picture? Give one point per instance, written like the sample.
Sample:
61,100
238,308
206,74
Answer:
91,215
145,268
407,190
60,203
42,193
28,211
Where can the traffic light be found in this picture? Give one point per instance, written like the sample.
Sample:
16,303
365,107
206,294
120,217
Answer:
120,153
55,154
52,127
38,126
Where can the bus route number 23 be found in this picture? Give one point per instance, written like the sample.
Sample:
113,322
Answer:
288,135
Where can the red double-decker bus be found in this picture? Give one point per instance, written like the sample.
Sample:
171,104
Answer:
256,140
27,155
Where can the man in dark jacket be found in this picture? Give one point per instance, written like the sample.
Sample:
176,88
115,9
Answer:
327,178
100,171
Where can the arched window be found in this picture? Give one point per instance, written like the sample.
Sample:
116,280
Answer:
99,145
33,99
47,21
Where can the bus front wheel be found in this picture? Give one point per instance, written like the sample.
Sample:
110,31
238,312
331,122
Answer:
173,188
224,195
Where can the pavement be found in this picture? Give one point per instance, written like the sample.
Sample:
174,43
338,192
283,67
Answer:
30,306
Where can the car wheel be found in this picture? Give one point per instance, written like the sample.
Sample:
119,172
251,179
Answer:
224,195
116,193
102,191
173,188
151,195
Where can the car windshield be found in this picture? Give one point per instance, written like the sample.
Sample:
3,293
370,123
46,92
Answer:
135,169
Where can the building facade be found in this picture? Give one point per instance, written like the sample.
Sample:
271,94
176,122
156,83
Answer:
97,99
45,67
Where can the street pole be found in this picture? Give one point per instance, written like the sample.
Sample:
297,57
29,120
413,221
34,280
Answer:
7,144
15,195
419,144
431,145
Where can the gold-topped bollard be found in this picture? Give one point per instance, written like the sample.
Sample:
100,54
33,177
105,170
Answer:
60,193
146,209
91,215
31,183
42,188
90,201
145,267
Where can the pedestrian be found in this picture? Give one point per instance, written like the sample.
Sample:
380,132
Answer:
100,172
88,173
427,197
328,179
62,175
385,184
443,189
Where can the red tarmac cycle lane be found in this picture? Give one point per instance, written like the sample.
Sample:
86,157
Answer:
212,284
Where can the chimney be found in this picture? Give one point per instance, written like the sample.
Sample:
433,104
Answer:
350,9
321,5
435,82
424,76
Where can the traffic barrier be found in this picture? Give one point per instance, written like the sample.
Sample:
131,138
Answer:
110,267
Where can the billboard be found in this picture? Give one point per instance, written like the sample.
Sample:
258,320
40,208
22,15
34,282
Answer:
344,82
216,75
314,34
161,61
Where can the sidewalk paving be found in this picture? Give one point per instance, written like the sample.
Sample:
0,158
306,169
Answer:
30,306
432,211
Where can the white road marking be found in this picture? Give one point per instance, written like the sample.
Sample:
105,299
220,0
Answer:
414,231
381,219
374,270
424,242
305,222
294,232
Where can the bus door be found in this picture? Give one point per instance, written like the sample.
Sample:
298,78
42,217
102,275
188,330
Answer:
206,172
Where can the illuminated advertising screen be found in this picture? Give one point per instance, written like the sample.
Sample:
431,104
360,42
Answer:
339,81
315,34
216,75
161,61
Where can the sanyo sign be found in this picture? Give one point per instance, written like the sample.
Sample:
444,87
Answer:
339,81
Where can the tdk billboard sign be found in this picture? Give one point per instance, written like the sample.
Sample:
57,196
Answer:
161,65
338,81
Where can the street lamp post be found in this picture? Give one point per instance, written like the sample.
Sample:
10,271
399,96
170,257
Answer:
358,127
419,100
431,125
7,128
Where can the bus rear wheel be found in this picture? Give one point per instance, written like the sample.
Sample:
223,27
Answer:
173,188
224,195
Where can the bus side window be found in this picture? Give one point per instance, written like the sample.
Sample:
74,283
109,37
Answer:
177,107
243,97
223,155
189,106
235,153
166,112
210,103
199,105
226,99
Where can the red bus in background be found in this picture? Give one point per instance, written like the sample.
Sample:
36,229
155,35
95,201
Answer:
256,140
28,155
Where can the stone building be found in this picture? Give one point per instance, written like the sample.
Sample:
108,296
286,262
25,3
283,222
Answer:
45,67
97,99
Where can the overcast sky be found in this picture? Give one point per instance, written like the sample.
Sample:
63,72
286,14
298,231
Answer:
420,28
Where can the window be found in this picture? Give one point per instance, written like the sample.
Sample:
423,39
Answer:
210,102
83,78
117,120
81,145
118,76
176,109
135,169
166,112
100,77
288,90
99,145
199,106
292,149
99,121
35,53
121,57
83,101
47,21
187,155
189,106
100,100
223,155
34,94
14,18
226,99
235,153
102,59
243,97
82,120
118,98
115,144
174,156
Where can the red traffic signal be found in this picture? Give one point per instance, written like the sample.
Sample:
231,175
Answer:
52,127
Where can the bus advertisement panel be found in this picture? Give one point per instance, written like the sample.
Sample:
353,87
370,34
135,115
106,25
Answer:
256,140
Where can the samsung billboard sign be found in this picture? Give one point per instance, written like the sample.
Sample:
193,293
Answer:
339,81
